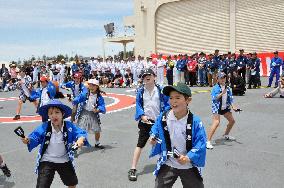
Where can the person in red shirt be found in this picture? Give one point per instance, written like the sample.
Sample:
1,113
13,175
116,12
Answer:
192,70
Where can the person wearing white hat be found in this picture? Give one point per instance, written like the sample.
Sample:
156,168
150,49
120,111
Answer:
89,110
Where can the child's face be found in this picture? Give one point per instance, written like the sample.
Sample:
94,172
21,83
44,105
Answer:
55,115
178,102
222,80
77,80
43,84
149,79
93,88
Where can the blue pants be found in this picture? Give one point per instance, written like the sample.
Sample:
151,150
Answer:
274,71
202,77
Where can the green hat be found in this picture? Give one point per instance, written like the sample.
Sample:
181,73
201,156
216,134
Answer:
179,87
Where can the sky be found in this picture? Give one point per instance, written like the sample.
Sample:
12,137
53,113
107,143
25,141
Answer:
51,27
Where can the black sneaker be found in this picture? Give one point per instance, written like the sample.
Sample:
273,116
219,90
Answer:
132,175
17,117
6,170
99,146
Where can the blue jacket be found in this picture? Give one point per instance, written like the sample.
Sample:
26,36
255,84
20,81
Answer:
216,103
38,137
276,63
255,64
83,91
232,65
164,102
181,64
51,91
100,105
197,154
223,66
242,61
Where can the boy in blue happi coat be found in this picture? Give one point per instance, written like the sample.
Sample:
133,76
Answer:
56,138
179,138
150,102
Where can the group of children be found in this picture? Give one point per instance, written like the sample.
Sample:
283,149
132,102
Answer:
164,119
177,135
57,136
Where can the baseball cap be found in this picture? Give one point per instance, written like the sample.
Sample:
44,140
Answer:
43,79
179,87
146,72
221,75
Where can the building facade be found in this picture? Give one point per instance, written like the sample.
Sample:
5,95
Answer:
189,26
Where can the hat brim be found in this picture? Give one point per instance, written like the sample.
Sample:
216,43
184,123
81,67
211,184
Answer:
43,111
147,74
168,89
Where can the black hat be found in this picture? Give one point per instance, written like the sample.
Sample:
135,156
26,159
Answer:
179,87
146,72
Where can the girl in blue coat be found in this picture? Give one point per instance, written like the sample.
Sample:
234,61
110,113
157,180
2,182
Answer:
56,138
89,109
222,103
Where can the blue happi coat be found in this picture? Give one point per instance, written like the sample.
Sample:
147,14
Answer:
197,154
216,103
83,91
51,91
100,105
39,135
164,102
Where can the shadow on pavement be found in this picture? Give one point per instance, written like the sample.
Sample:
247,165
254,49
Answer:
92,149
221,141
147,169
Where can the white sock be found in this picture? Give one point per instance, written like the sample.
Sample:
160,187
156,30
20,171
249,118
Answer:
97,142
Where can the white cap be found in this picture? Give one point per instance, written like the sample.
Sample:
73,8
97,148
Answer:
94,81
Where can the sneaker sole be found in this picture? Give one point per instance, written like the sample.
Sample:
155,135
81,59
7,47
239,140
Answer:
132,179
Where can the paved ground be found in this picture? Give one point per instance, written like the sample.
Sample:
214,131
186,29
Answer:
256,159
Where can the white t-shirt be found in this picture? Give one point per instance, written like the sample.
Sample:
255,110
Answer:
224,99
56,151
151,103
91,103
177,130
76,92
44,97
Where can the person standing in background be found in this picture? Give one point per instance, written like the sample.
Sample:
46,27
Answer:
275,64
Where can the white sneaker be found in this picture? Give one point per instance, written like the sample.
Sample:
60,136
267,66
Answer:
227,137
209,145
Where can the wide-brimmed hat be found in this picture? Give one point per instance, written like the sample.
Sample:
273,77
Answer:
94,82
179,87
66,110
